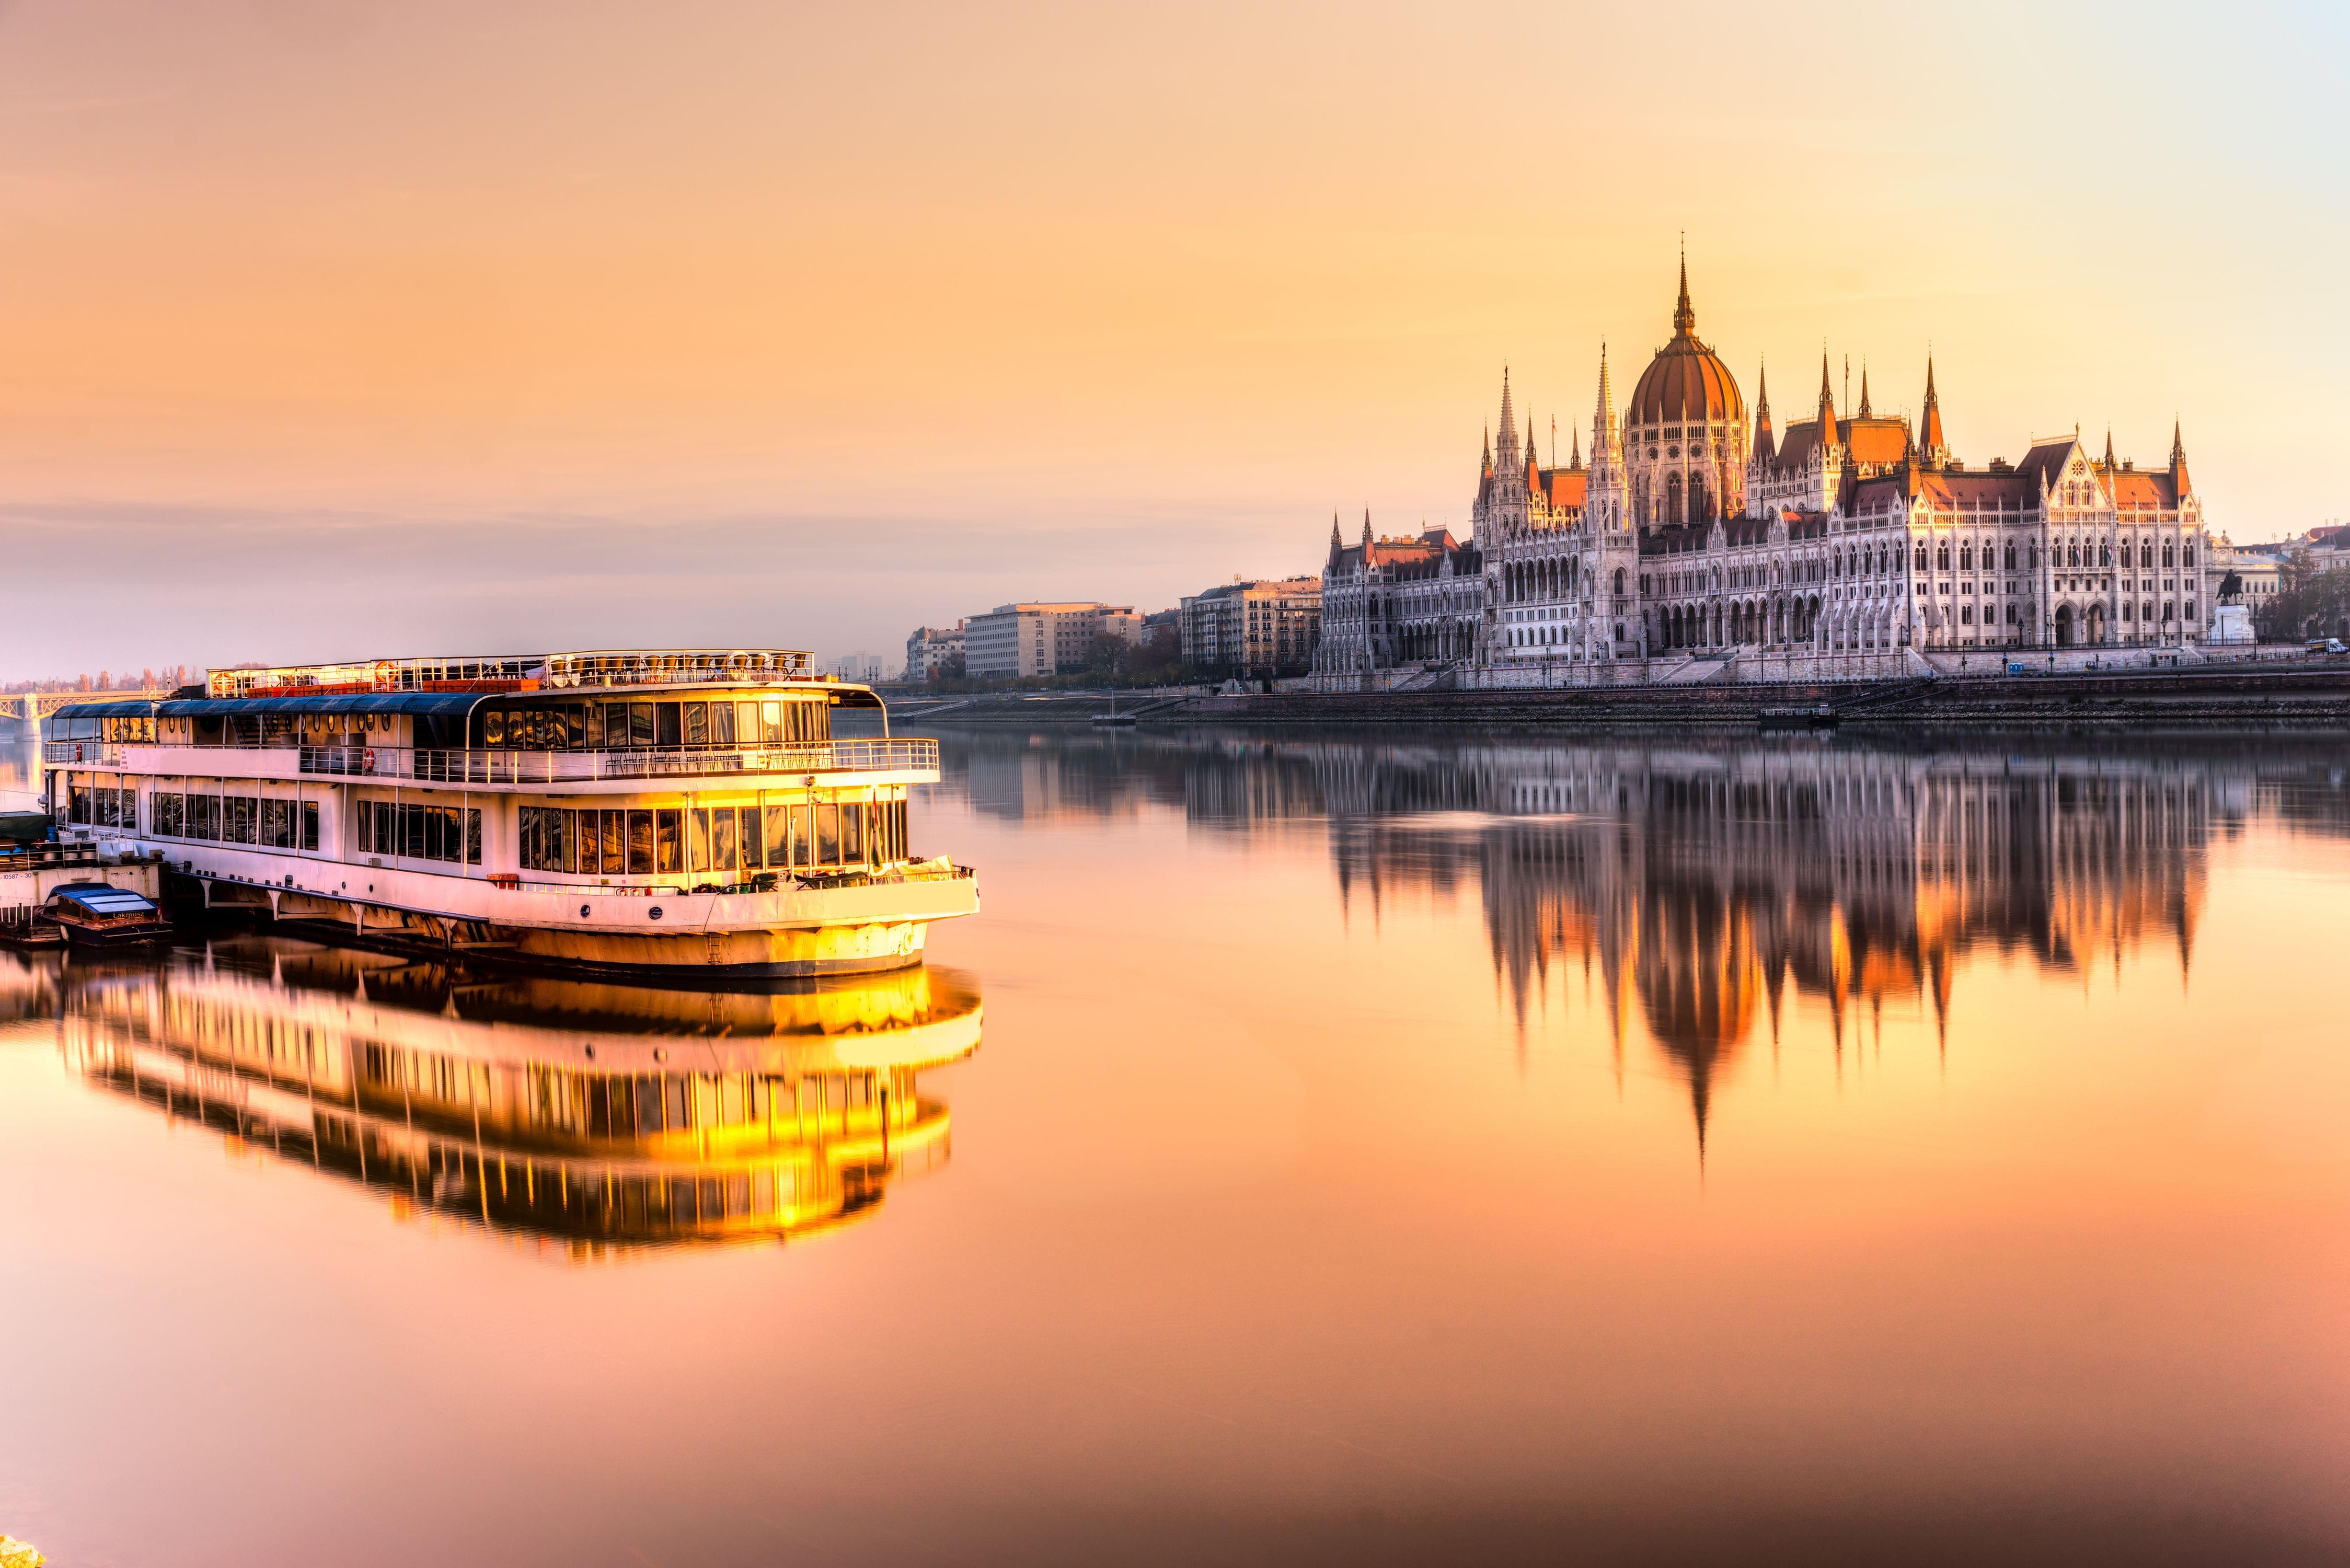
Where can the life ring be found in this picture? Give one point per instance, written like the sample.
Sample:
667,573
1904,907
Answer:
76,751
367,761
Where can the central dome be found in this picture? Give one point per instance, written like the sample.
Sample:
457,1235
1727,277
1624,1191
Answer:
1686,383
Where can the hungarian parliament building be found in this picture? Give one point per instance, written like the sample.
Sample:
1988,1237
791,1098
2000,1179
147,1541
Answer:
1699,536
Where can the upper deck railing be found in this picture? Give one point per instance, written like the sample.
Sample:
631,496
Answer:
677,666
502,672
913,755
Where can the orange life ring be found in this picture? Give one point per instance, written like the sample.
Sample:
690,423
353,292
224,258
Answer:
367,761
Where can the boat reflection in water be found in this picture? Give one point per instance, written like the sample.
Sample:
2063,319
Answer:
593,1117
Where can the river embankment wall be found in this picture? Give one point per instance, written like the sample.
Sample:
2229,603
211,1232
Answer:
2194,697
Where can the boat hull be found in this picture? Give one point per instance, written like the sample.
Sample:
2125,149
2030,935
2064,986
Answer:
871,926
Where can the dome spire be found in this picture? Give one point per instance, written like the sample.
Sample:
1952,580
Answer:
1684,319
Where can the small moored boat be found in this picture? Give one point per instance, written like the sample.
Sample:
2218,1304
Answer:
97,915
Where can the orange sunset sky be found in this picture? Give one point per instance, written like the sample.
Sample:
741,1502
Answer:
331,327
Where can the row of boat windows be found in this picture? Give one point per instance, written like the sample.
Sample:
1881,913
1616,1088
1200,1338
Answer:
226,819
573,726
420,831
667,841
621,726
235,819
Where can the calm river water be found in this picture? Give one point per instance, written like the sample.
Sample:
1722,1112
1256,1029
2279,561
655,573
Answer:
1324,1147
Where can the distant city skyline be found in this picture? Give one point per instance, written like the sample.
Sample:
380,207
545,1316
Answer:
338,328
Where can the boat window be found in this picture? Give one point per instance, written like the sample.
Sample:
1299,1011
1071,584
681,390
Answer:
169,813
640,837
778,837
310,825
592,723
752,856
615,835
852,832
204,817
721,841
574,726
493,728
697,724
828,833
640,723
240,818
771,721
666,714
803,835
697,839
722,724
670,839
649,1106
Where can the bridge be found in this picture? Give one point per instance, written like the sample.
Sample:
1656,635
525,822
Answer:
39,705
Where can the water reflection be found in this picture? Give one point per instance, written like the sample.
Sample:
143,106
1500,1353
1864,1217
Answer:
1695,883
587,1118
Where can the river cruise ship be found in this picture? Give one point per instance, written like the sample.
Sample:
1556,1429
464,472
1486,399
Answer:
665,810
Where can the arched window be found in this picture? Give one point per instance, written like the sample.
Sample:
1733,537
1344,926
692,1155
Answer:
2166,555
1619,588
1942,555
1967,556
1673,497
2010,556
2146,555
2187,554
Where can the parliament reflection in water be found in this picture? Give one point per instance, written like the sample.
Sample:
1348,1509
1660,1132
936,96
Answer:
1698,882
592,1117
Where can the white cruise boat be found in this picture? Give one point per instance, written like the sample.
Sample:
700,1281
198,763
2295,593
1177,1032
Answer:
665,811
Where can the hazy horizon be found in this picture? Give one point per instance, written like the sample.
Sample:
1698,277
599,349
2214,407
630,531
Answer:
337,329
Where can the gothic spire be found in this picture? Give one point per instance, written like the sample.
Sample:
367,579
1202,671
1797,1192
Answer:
1930,435
1367,530
1488,461
1764,447
1507,458
2110,463
1335,545
1827,404
2179,480
1533,453
1577,462
2178,446
1864,388
1761,389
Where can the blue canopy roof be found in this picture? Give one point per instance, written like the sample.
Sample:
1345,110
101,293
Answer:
120,708
452,704
101,899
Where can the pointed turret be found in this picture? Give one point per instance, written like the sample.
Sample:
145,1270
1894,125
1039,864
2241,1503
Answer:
2178,462
1765,446
1337,544
2110,465
1828,405
1576,462
1533,458
1937,450
1684,319
1603,418
1366,531
1507,458
1486,468
1864,410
